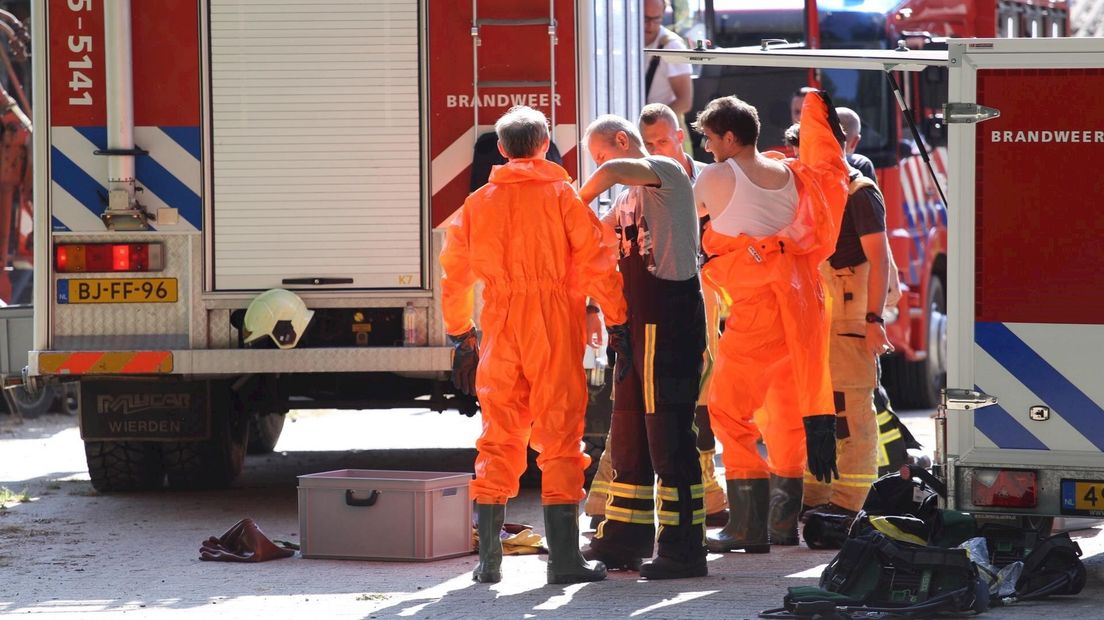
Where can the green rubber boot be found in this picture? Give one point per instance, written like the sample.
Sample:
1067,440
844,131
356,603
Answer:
748,503
785,503
489,569
566,563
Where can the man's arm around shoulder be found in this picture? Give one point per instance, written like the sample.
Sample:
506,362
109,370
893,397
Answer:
618,171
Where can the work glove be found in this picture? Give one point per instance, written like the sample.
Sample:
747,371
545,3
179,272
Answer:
833,117
243,542
820,444
465,359
621,343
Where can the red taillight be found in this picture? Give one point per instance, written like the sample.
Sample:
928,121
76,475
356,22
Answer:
108,257
1005,488
120,258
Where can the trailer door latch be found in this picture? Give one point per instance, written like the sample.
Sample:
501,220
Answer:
1039,413
968,113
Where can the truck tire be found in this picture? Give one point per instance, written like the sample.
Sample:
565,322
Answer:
916,385
264,432
212,463
124,465
31,404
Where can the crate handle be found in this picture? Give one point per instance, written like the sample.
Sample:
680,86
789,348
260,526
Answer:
369,501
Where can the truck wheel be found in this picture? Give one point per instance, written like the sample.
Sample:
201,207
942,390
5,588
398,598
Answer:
124,465
212,463
31,404
264,432
916,385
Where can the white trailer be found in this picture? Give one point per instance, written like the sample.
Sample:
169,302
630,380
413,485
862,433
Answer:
1021,429
191,155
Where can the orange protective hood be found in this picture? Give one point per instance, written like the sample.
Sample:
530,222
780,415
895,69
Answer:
533,169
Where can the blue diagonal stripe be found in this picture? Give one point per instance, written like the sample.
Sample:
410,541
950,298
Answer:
1037,375
172,190
76,181
95,135
59,226
1004,430
157,179
186,137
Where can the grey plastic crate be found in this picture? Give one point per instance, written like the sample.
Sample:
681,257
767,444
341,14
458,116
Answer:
16,333
368,514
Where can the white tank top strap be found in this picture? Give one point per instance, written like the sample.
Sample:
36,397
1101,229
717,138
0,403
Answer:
754,210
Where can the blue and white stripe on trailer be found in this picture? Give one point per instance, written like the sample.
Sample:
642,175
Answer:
1028,364
170,176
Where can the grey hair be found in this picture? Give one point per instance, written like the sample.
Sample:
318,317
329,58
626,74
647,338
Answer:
849,121
521,131
607,126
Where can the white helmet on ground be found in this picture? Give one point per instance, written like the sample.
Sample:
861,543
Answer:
279,314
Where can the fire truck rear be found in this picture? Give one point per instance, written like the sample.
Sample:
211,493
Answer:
915,212
192,155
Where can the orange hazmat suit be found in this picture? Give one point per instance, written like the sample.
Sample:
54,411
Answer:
776,333
538,251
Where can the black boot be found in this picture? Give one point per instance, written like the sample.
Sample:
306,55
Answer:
565,563
489,569
624,562
668,568
748,503
785,503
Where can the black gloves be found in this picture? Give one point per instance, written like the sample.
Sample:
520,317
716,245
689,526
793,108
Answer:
820,443
464,361
833,117
621,343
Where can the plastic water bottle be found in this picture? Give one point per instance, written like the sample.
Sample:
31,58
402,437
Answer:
410,325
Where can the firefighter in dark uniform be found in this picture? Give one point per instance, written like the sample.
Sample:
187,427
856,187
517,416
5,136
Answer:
656,392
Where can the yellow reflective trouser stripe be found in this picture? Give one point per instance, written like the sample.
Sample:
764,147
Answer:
884,417
671,494
629,491
847,480
855,480
707,371
628,515
891,436
667,517
600,486
649,367
667,494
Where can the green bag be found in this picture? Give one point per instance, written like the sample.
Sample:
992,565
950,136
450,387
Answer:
875,573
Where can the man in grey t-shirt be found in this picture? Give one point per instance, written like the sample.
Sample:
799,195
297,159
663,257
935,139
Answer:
653,405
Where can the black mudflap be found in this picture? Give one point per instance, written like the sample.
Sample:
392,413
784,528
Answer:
144,409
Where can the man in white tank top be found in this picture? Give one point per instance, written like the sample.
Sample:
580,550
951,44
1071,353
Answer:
769,229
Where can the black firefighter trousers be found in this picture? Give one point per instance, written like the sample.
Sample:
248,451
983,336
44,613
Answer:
652,428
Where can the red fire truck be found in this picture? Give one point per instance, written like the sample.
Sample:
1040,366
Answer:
915,211
191,155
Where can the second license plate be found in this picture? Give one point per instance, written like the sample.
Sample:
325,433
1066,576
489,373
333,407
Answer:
1083,497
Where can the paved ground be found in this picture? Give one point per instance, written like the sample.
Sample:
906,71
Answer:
70,552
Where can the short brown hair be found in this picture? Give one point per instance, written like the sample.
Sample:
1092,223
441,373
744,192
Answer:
730,113
655,111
